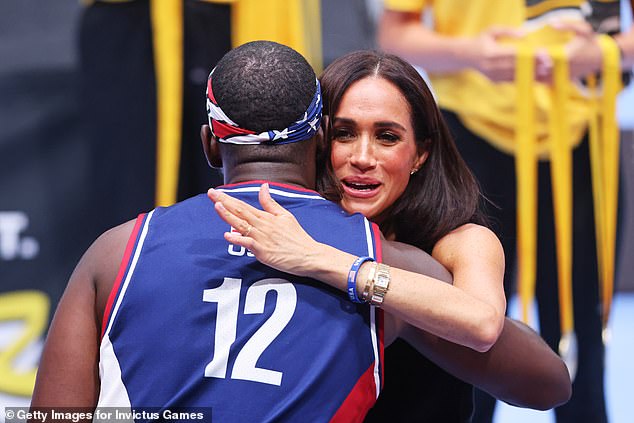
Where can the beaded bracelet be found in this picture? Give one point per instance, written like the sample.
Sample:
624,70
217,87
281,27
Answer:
369,284
352,278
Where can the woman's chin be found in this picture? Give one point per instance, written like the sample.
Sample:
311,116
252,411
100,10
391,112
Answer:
356,205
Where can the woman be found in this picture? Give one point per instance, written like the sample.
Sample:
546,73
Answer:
390,157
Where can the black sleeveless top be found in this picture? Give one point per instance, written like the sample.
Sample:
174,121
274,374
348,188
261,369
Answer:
417,390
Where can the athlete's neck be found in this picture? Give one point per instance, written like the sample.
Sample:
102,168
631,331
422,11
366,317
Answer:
283,173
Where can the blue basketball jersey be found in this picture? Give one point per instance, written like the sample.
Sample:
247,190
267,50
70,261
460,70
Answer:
193,321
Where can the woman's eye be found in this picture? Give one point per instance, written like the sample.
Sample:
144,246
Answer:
388,136
341,134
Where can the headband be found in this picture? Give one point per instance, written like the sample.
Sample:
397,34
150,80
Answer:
228,131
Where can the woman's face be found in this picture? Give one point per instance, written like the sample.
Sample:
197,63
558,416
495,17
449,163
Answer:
373,147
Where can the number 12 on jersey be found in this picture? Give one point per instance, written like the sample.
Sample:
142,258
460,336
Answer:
227,296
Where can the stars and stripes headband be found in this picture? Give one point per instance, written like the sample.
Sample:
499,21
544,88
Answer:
228,131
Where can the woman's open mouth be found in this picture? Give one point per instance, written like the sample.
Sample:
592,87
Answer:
359,187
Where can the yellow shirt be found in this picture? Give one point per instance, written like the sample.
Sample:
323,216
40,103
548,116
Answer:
295,23
485,107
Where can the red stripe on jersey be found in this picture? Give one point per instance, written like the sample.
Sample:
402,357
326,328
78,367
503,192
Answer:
272,184
359,400
122,271
378,246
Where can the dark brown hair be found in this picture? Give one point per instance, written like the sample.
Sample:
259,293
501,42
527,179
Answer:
443,194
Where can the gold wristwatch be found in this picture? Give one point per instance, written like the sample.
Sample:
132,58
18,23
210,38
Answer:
380,284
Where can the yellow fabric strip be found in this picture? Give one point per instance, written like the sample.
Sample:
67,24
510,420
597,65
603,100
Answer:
312,31
526,175
598,183
561,173
610,153
167,32
295,23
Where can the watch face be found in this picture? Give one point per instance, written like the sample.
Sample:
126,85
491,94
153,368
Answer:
382,280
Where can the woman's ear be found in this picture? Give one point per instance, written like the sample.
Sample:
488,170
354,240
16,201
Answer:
210,147
423,154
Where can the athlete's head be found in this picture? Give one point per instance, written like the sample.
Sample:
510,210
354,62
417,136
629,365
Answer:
264,103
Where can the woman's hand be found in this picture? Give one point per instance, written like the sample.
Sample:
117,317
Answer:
273,235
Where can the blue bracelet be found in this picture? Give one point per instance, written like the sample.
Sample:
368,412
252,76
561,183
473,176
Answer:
352,278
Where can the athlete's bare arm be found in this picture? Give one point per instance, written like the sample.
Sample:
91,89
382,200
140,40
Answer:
68,375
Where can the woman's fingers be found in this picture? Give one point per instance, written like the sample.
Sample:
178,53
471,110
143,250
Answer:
233,205
268,203
237,239
236,222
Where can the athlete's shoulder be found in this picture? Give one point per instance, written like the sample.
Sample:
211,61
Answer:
104,257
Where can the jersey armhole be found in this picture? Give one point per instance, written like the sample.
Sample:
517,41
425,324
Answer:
123,269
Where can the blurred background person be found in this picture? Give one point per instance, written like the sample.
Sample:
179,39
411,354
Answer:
471,67
142,68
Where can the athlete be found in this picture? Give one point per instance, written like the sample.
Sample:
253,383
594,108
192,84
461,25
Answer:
164,312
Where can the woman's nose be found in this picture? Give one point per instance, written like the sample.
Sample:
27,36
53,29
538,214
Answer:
363,155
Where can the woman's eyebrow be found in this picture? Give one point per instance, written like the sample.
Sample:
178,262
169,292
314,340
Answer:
389,124
343,121
380,124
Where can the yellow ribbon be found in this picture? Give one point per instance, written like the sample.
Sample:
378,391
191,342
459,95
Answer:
604,155
167,32
561,176
526,174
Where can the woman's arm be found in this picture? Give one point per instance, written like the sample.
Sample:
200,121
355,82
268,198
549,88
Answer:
277,239
474,256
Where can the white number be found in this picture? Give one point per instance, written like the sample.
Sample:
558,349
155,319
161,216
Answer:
227,296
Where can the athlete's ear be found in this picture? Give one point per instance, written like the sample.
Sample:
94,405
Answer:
321,136
210,147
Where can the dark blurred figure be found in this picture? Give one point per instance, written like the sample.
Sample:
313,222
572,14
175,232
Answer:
119,100
468,62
